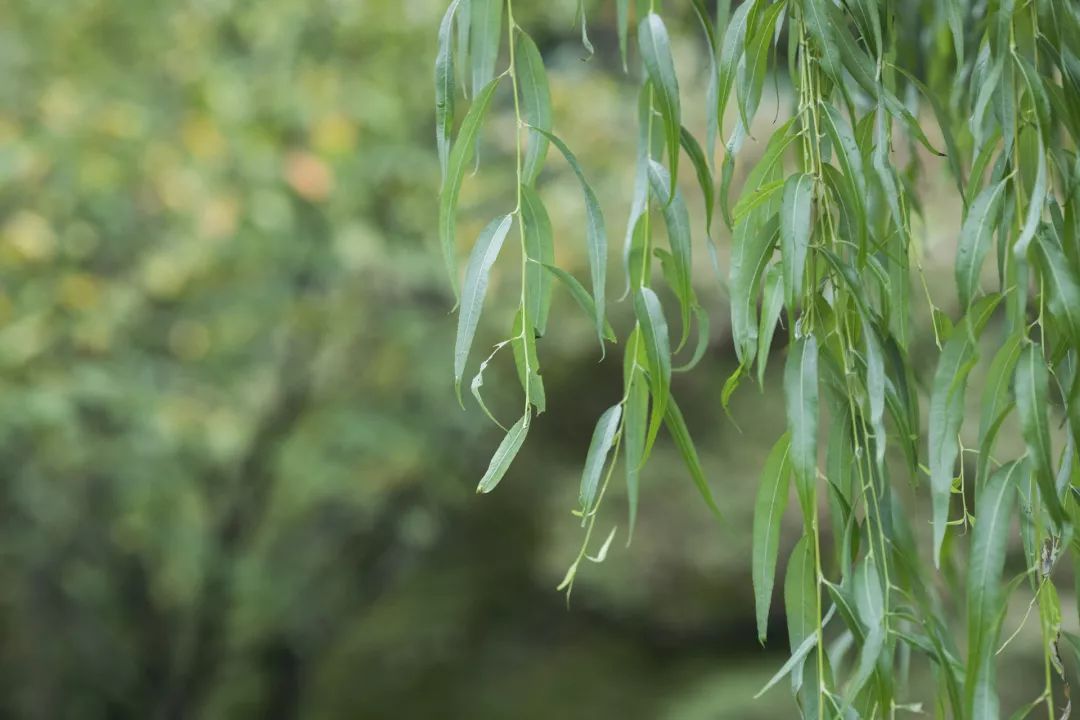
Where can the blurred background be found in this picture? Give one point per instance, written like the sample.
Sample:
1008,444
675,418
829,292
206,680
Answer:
236,482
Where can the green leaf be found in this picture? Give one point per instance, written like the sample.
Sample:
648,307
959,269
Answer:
596,236
505,454
801,403
677,221
622,23
676,425
656,55
704,175
801,593
976,236
875,387
993,508
1032,387
654,332
772,498
731,50
752,70
540,249
770,316
485,31
870,606
482,257
535,104
444,88
752,246
581,297
635,419
602,439
460,155
795,233
1035,205
702,341
946,415
528,365
1062,285
996,399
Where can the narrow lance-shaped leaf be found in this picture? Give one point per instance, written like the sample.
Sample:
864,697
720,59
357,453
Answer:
444,88
485,31
870,607
731,50
993,508
482,257
622,22
801,402
595,234
996,400
656,55
1032,387
795,233
540,249
1036,201
602,439
505,454
528,365
535,104
635,419
875,387
752,245
704,175
581,297
946,414
654,333
976,236
677,220
1062,285
772,498
676,425
460,155
770,315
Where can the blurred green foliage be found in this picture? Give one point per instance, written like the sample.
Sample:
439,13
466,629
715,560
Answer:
236,483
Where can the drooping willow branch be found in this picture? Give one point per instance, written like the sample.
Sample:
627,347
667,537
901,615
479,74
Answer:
823,239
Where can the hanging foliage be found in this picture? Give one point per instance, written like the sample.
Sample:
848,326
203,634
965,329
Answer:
822,238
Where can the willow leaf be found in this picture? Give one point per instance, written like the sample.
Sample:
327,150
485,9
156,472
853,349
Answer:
444,88
701,169
505,454
581,297
801,402
731,50
772,498
676,425
752,246
1035,205
535,104
485,31
654,332
602,439
677,220
540,249
1032,388
801,593
482,257
622,23
528,365
993,508
870,606
656,55
460,155
1062,285
795,233
595,235
996,399
770,315
946,414
635,419
976,236
702,344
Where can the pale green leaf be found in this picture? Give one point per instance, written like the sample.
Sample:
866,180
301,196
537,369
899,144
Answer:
772,498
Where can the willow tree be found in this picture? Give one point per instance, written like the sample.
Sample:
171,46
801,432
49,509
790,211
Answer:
821,240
